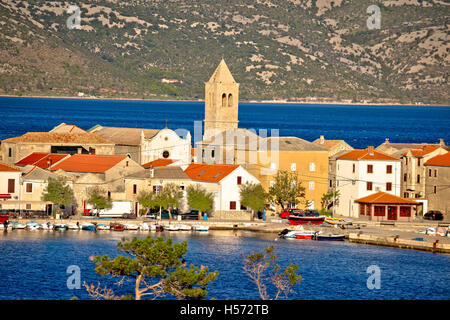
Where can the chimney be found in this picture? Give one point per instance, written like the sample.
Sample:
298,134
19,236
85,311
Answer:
322,139
441,142
152,173
370,150
386,141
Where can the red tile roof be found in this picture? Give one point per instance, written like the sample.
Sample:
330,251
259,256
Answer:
5,167
385,198
209,172
422,151
41,159
88,163
158,163
366,154
441,160
50,137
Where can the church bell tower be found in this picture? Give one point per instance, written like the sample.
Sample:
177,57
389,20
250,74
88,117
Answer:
221,101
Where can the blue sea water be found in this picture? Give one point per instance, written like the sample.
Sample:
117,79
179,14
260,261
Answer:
360,126
34,265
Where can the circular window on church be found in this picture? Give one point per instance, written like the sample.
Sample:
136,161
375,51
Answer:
165,154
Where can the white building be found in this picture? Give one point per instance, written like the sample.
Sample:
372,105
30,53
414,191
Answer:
224,181
10,187
360,173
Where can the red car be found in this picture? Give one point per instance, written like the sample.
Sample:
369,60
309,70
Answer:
285,213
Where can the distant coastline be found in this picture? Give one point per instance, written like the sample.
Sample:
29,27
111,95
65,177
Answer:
242,101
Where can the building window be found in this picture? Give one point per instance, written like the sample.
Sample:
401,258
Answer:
9,152
434,189
354,168
182,188
435,173
165,154
311,185
418,178
11,185
405,195
157,189
212,153
369,168
312,167
418,162
405,177
134,189
369,186
379,211
126,164
230,100
239,180
405,211
29,188
224,100
293,166
109,195
28,206
91,150
388,186
203,153
232,205
389,169
429,172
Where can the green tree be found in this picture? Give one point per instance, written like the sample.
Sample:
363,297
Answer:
253,196
330,199
265,273
58,192
170,197
157,269
287,189
149,200
199,199
98,200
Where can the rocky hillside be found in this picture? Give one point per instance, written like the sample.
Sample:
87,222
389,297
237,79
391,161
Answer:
276,49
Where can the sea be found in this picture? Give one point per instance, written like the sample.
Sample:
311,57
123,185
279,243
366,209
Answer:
37,265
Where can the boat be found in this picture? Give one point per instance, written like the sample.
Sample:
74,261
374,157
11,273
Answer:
298,233
32,225
199,227
171,227
298,220
329,236
338,221
132,227
144,227
156,227
305,235
60,226
117,227
88,226
46,226
73,226
18,225
184,227
102,226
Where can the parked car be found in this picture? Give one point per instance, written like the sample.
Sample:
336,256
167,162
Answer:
190,215
285,213
433,215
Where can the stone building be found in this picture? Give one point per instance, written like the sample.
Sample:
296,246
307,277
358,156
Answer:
437,183
145,145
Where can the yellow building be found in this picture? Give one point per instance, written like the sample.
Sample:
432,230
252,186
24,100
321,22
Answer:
309,161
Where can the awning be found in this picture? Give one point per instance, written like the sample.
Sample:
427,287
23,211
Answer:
5,196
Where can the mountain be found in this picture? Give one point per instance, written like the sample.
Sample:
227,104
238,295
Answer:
276,49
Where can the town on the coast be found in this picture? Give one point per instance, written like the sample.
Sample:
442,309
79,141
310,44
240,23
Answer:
377,194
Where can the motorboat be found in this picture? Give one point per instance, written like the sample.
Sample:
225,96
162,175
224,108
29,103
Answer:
184,227
88,226
132,227
321,236
117,227
73,226
338,221
297,234
46,226
102,226
144,227
18,225
199,227
172,227
32,225
305,235
303,219
60,227
156,227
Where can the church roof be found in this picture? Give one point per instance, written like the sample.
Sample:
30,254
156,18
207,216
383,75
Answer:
222,74
122,135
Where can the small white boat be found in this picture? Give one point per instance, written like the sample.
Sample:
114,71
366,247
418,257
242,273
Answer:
46,226
129,226
18,225
88,226
102,226
199,227
184,227
32,225
171,227
73,226
60,226
297,234
144,227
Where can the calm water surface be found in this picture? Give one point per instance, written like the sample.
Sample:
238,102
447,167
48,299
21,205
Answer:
359,126
33,265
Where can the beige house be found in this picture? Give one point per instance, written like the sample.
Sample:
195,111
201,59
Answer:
145,145
437,183
15,149
10,191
